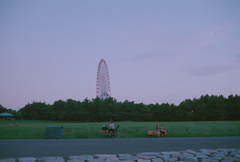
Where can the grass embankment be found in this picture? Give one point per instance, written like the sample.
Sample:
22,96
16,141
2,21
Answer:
31,129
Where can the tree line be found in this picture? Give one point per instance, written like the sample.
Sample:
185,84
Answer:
205,108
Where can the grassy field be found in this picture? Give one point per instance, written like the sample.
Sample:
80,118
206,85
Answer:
31,129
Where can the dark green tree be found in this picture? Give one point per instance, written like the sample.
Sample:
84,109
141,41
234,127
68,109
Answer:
232,107
3,109
185,111
216,109
58,110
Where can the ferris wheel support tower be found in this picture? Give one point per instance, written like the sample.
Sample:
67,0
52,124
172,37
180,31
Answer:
103,89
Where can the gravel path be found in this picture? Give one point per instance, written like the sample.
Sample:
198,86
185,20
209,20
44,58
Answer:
202,155
139,149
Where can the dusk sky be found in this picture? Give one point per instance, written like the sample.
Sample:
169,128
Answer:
157,51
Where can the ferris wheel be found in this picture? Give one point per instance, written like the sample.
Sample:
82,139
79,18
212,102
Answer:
103,80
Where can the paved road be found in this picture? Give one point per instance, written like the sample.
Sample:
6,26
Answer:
69,147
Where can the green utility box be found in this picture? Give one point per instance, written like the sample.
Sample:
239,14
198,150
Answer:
53,132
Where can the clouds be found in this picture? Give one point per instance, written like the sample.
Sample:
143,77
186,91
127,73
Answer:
153,49
238,55
217,35
210,70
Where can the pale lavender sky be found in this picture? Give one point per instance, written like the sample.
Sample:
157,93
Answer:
156,51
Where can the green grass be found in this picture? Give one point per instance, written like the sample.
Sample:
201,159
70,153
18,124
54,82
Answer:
32,129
